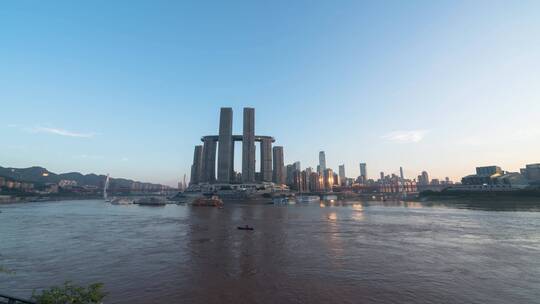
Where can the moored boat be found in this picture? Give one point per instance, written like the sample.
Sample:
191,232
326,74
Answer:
284,199
213,201
151,201
308,199
120,201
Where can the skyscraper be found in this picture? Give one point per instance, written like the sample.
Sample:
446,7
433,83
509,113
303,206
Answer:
278,168
296,166
248,146
424,178
322,162
363,171
342,176
196,168
401,173
328,180
226,146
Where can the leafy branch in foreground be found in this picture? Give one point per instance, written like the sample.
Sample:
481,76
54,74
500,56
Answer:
71,294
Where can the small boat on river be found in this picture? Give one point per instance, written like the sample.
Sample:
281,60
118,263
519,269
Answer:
246,227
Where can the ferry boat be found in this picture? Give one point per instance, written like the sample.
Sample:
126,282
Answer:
213,201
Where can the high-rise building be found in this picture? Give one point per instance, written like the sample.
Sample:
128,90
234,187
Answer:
322,162
209,160
424,178
328,179
248,146
363,171
289,174
196,167
342,177
382,176
316,182
401,173
266,160
226,146
304,181
278,167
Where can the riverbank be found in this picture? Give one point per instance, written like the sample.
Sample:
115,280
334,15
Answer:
8,199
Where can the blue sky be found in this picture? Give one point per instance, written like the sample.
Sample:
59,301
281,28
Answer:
128,87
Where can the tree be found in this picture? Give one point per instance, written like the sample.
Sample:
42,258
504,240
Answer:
71,294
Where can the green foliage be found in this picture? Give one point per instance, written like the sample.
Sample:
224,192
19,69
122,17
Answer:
71,294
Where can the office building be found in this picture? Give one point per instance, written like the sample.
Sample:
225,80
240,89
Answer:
278,166
342,177
363,172
322,162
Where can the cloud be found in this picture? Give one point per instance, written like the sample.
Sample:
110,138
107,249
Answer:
61,132
124,159
405,136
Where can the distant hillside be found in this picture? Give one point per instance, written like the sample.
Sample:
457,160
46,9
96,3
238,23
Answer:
40,175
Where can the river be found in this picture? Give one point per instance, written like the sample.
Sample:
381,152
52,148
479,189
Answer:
318,253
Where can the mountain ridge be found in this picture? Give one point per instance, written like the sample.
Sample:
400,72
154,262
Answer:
41,175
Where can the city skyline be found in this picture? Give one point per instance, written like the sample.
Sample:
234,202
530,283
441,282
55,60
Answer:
439,87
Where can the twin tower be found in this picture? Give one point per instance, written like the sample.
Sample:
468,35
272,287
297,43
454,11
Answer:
203,169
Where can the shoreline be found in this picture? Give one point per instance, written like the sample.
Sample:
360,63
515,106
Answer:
25,200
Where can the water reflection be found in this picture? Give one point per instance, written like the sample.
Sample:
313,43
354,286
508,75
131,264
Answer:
358,214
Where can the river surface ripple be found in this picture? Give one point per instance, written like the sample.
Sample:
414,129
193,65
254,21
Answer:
344,253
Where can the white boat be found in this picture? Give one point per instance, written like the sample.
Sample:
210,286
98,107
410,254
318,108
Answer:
308,199
121,201
330,197
284,200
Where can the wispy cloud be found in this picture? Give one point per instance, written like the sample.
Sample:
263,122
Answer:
124,159
61,132
405,136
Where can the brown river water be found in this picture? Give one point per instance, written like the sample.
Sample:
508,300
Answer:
314,253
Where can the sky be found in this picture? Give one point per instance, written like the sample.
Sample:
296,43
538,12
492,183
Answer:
129,87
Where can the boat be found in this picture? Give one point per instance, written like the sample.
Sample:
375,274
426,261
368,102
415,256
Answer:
330,197
308,199
120,201
284,200
246,227
213,201
151,201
